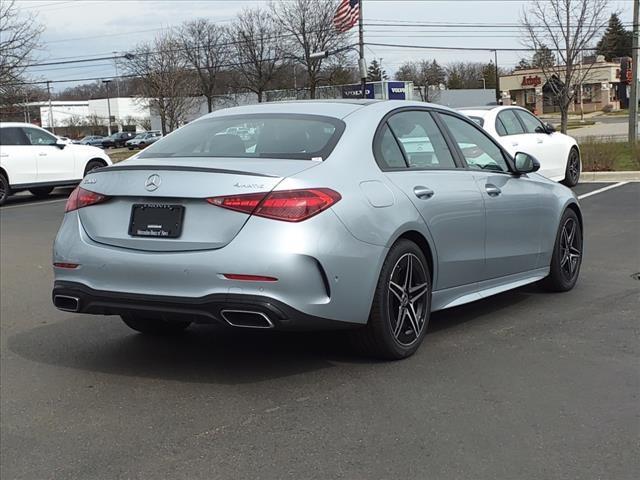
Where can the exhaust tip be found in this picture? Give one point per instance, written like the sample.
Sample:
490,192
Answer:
66,303
246,319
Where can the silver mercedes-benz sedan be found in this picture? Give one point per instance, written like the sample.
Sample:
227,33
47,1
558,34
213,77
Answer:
365,215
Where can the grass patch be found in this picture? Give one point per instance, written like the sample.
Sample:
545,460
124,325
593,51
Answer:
607,156
573,125
119,154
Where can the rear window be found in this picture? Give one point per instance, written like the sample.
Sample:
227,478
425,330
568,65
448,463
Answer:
299,137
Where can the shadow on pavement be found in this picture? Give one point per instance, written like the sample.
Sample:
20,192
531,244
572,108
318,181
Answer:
26,198
215,354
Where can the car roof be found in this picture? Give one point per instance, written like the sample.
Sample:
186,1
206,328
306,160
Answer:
336,108
18,124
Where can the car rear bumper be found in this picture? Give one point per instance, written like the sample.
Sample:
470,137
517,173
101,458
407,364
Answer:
321,270
246,311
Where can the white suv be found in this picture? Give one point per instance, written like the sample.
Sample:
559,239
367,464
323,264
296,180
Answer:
33,159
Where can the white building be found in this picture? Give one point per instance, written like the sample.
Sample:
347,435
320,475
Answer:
126,113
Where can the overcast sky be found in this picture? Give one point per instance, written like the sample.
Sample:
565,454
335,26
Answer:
76,28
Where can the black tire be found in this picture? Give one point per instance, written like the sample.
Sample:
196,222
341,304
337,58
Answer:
5,191
41,192
141,145
390,333
154,326
92,165
572,170
567,255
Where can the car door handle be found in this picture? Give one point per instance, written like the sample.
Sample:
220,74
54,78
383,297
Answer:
42,154
423,193
492,190
514,144
539,140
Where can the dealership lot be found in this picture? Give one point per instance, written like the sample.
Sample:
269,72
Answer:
522,385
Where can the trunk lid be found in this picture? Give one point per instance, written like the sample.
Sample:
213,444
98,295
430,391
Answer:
184,183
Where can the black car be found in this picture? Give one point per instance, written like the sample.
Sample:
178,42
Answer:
117,139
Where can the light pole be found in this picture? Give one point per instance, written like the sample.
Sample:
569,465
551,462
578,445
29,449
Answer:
633,104
106,87
484,83
115,62
53,128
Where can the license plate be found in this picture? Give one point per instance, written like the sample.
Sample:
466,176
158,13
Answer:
156,220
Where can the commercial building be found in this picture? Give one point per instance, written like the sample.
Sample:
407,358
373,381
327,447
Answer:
604,87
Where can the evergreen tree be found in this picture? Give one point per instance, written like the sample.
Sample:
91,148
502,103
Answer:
375,73
616,40
523,64
543,58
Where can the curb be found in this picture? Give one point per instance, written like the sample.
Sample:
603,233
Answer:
609,177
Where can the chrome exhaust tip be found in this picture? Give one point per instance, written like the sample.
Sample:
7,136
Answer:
246,319
66,303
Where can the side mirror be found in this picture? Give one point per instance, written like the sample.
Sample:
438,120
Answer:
61,144
525,163
549,128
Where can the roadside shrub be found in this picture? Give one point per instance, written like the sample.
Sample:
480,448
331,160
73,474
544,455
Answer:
607,108
605,155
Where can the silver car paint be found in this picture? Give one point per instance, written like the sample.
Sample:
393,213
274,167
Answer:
349,241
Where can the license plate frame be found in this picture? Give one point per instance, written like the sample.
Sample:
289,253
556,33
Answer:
156,220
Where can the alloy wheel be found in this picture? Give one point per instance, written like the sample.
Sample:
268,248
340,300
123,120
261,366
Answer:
408,299
574,167
570,249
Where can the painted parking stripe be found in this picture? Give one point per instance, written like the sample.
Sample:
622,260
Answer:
31,204
604,189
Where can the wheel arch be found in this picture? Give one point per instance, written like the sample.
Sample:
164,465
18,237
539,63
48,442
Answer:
6,175
419,239
96,159
574,206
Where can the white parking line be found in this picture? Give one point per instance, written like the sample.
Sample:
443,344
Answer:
600,190
31,204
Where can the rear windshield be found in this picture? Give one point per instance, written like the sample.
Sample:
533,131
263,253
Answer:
299,137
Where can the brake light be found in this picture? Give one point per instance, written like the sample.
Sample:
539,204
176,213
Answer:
286,205
80,198
249,278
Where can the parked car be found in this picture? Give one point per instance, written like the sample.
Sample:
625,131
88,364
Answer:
95,140
143,140
517,129
327,221
33,159
117,139
66,140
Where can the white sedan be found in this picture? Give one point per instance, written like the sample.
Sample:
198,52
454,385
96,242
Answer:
33,159
518,130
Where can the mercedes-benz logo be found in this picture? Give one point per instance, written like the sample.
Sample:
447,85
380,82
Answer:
153,182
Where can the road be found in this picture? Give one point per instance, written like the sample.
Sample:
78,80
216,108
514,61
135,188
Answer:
525,385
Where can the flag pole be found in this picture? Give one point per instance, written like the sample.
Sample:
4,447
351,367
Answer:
361,62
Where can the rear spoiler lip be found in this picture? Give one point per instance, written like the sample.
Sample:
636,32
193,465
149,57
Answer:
116,168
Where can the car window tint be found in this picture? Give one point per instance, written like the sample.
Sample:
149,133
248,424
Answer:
420,138
479,151
12,136
39,137
531,123
500,128
478,120
271,135
511,124
388,152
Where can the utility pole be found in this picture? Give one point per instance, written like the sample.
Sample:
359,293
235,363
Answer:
361,61
53,127
495,56
106,87
115,62
633,101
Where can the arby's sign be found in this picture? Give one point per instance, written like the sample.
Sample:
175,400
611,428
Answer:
531,81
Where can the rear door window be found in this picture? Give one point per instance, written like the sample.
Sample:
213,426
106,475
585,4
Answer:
420,140
12,136
510,122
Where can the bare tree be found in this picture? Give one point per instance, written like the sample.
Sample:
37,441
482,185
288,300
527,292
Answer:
308,26
19,37
567,27
165,83
205,47
257,49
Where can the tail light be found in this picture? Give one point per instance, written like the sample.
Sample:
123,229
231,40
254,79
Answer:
286,205
80,198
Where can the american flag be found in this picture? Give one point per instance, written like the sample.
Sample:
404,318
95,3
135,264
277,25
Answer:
347,15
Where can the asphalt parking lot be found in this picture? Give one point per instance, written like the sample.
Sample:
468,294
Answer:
524,385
